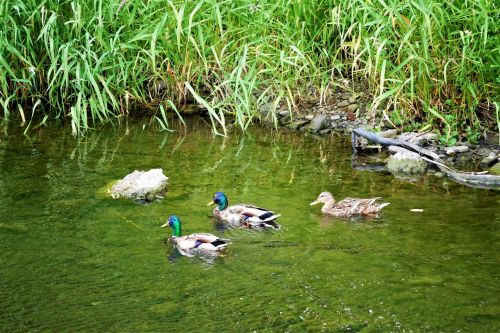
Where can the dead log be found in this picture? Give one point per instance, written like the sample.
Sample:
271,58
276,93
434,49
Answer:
465,178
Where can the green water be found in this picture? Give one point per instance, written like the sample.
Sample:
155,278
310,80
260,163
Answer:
73,260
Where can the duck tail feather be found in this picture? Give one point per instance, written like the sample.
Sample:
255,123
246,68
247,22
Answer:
269,217
219,243
382,205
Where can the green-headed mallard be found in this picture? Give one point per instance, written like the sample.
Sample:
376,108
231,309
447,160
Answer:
190,245
243,215
348,206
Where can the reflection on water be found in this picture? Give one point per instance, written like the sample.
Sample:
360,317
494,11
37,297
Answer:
74,259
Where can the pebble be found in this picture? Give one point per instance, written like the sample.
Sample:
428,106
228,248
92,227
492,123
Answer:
489,160
335,117
493,139
266,108
284,113
484,151
343,104
397,149
456,149
309,117
317,124
285,119
297,124
352,107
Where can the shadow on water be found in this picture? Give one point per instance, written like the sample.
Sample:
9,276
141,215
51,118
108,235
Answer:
64,242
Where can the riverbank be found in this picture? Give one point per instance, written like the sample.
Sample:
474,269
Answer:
346,110
422,65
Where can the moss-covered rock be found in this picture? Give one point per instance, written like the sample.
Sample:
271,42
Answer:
495,169
317,124
141,185
405,162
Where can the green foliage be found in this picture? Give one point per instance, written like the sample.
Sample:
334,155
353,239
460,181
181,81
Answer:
91,61
472,134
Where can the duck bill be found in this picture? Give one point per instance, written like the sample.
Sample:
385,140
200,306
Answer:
314,203
165,225
210,203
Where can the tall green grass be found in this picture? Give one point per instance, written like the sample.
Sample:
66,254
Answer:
424,63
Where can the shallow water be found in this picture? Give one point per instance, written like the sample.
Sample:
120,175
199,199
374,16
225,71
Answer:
75,260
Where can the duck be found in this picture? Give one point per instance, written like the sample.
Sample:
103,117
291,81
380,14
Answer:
248,216
349,206
198,243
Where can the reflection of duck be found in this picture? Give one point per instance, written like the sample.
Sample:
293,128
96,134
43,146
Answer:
243,215
189,245
348,206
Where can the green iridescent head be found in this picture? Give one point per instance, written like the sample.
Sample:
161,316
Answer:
220,199
175,223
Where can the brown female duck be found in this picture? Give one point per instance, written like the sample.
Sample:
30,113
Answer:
348,206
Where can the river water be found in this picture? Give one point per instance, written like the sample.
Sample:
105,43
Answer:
73,259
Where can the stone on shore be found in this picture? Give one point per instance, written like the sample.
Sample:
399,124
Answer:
285,119
417,138
352,107
456,149
284,113
489,160
295,125
391,134
265,109
495,169
493,139
317,124
141,185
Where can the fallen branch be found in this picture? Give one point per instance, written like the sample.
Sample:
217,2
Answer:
466,178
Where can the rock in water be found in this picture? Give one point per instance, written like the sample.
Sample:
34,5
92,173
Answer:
141,185
406,163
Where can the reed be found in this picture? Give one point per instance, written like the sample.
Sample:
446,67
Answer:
424,63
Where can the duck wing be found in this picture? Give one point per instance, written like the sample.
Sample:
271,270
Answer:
199,241
346,203
203,237
349,202
250,211
355,206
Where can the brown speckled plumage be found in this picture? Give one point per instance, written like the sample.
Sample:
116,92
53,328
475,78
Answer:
348,206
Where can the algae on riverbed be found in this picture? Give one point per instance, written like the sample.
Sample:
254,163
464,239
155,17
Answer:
74,261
